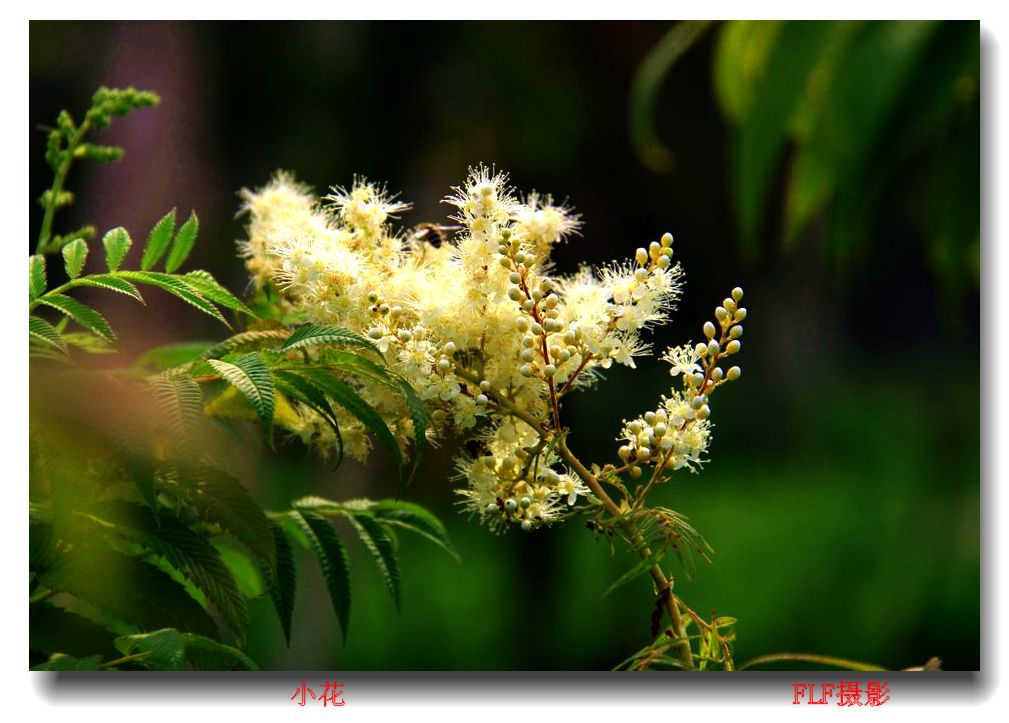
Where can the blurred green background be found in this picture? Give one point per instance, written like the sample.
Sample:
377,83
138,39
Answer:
831,169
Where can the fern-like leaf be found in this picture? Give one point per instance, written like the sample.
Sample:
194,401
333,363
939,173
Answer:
81,313
416,519
183,244
177,287
206,286
333,560
169,649
117,244
378,542
158,240
41,330
316,335
36,276
247,340
112,283
252,379
223,500
75,254
282,582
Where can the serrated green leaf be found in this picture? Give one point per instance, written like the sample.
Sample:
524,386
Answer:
117,244
172,355
640,568
183,244
80,313
113,283
187,552
333,560
250,376
224,500
45,332
158,240
378,542
315,335
125,588
180,407
260,339
206,654
75,254
177,287
54,630
282,583
301,390
36,276
416,519
206,286
350,400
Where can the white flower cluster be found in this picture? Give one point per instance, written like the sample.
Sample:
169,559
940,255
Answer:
476,324
675,435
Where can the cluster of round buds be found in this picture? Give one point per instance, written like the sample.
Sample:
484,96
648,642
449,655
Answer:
658,253
721,342
672,436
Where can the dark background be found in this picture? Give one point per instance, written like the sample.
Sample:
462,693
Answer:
842,495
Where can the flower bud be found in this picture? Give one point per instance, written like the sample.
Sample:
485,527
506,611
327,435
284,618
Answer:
537,329
717,374
654,249
704,412
641,256
701,349
528,305
635,471
737,294
526,525
740,314
527,355
404,335
511,504
526,370
551,301
444,365
550,370
709,329
664,262
563,355
736,331
667,240
520,257
449,347
733,374
481,399
528,340
485,386
514,277
522,324
491,507
666,443
506,262
624,452
729,304
525,502
375,333
720,313
713,347
649,417
733,346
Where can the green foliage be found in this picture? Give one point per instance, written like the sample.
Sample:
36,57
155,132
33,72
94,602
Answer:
855,101
146,548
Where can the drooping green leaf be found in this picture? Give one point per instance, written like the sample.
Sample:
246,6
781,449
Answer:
81,313
876,63
36,276
183,244
248,340
333,560
173,355
117,244
315,335
342,394
224,500
206,285
187,552
252,379
764,125
158,240
282,583
383,551
416,519
113,283
740,56
75,254
301,390
640,568
45,332
129,590
177,287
